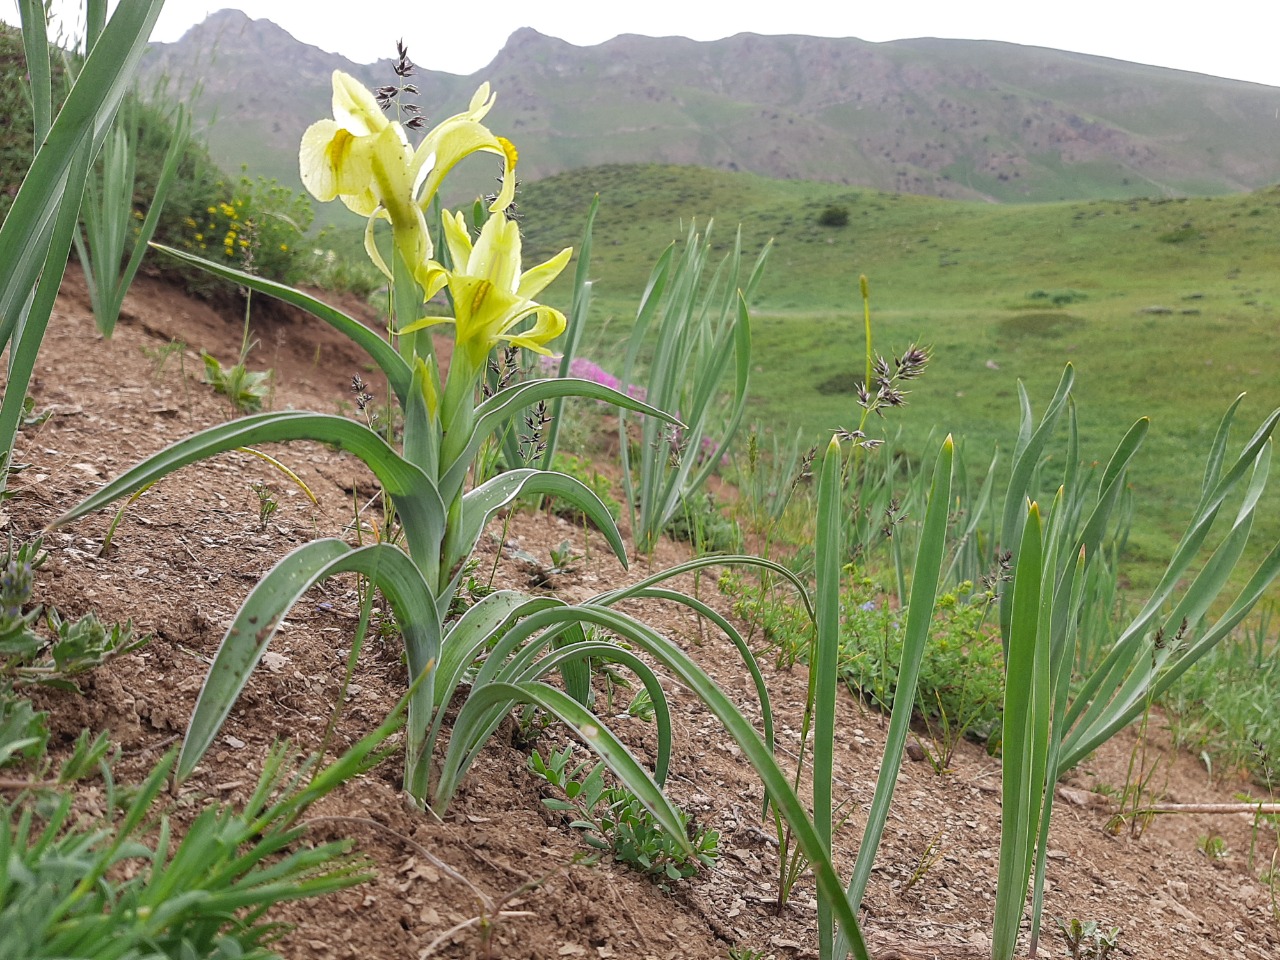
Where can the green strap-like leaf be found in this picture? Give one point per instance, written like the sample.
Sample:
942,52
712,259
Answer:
505,404
1016,748
529,665
738,401
776,783
34,310
701,563
168,173
735,637
1217,452
415,494
1102,682
259,618
1079,746
35,46
396,370
85,117
1025,462
480,505
468,638
587,726
924,595
1109,489
829,550
567,345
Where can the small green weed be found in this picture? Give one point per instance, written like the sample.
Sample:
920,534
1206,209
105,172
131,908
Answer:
1087,940
246,389
613,818
30,416
161,355
1212,847
204,895
74,647
267,503
929,857
1227,706
543,575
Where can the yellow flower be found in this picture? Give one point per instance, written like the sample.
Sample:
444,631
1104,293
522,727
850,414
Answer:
491,296
462,135
365,160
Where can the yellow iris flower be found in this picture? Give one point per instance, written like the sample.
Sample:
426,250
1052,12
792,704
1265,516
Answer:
366,160
490,294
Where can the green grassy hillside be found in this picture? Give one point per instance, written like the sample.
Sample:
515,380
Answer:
1167,308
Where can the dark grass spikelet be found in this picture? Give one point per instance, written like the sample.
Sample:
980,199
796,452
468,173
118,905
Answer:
533,444
1001,574
892,518
857,438
395,94
362,394
910,366
885,389
805,470
501,372
403,67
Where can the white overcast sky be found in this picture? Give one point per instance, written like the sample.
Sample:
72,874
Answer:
1230,38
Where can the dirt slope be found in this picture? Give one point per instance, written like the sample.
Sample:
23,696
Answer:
188,552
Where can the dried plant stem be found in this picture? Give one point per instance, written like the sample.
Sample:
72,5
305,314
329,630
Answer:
29,784
1267,809
474,921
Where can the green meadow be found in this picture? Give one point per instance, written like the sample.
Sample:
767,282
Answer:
1168,308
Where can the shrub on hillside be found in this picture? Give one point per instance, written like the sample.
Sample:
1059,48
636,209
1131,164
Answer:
258,217
252,225
834,216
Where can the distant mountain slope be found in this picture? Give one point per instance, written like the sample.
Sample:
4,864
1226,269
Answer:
951,118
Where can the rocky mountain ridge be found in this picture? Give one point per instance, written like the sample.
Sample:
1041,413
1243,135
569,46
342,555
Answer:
952,118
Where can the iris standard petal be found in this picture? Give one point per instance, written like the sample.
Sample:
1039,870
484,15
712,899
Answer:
458,240
481,102
496,254
355,108
456,139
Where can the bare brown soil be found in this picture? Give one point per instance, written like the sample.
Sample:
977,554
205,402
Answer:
189,550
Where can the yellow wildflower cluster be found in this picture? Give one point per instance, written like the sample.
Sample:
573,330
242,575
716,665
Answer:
253,225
